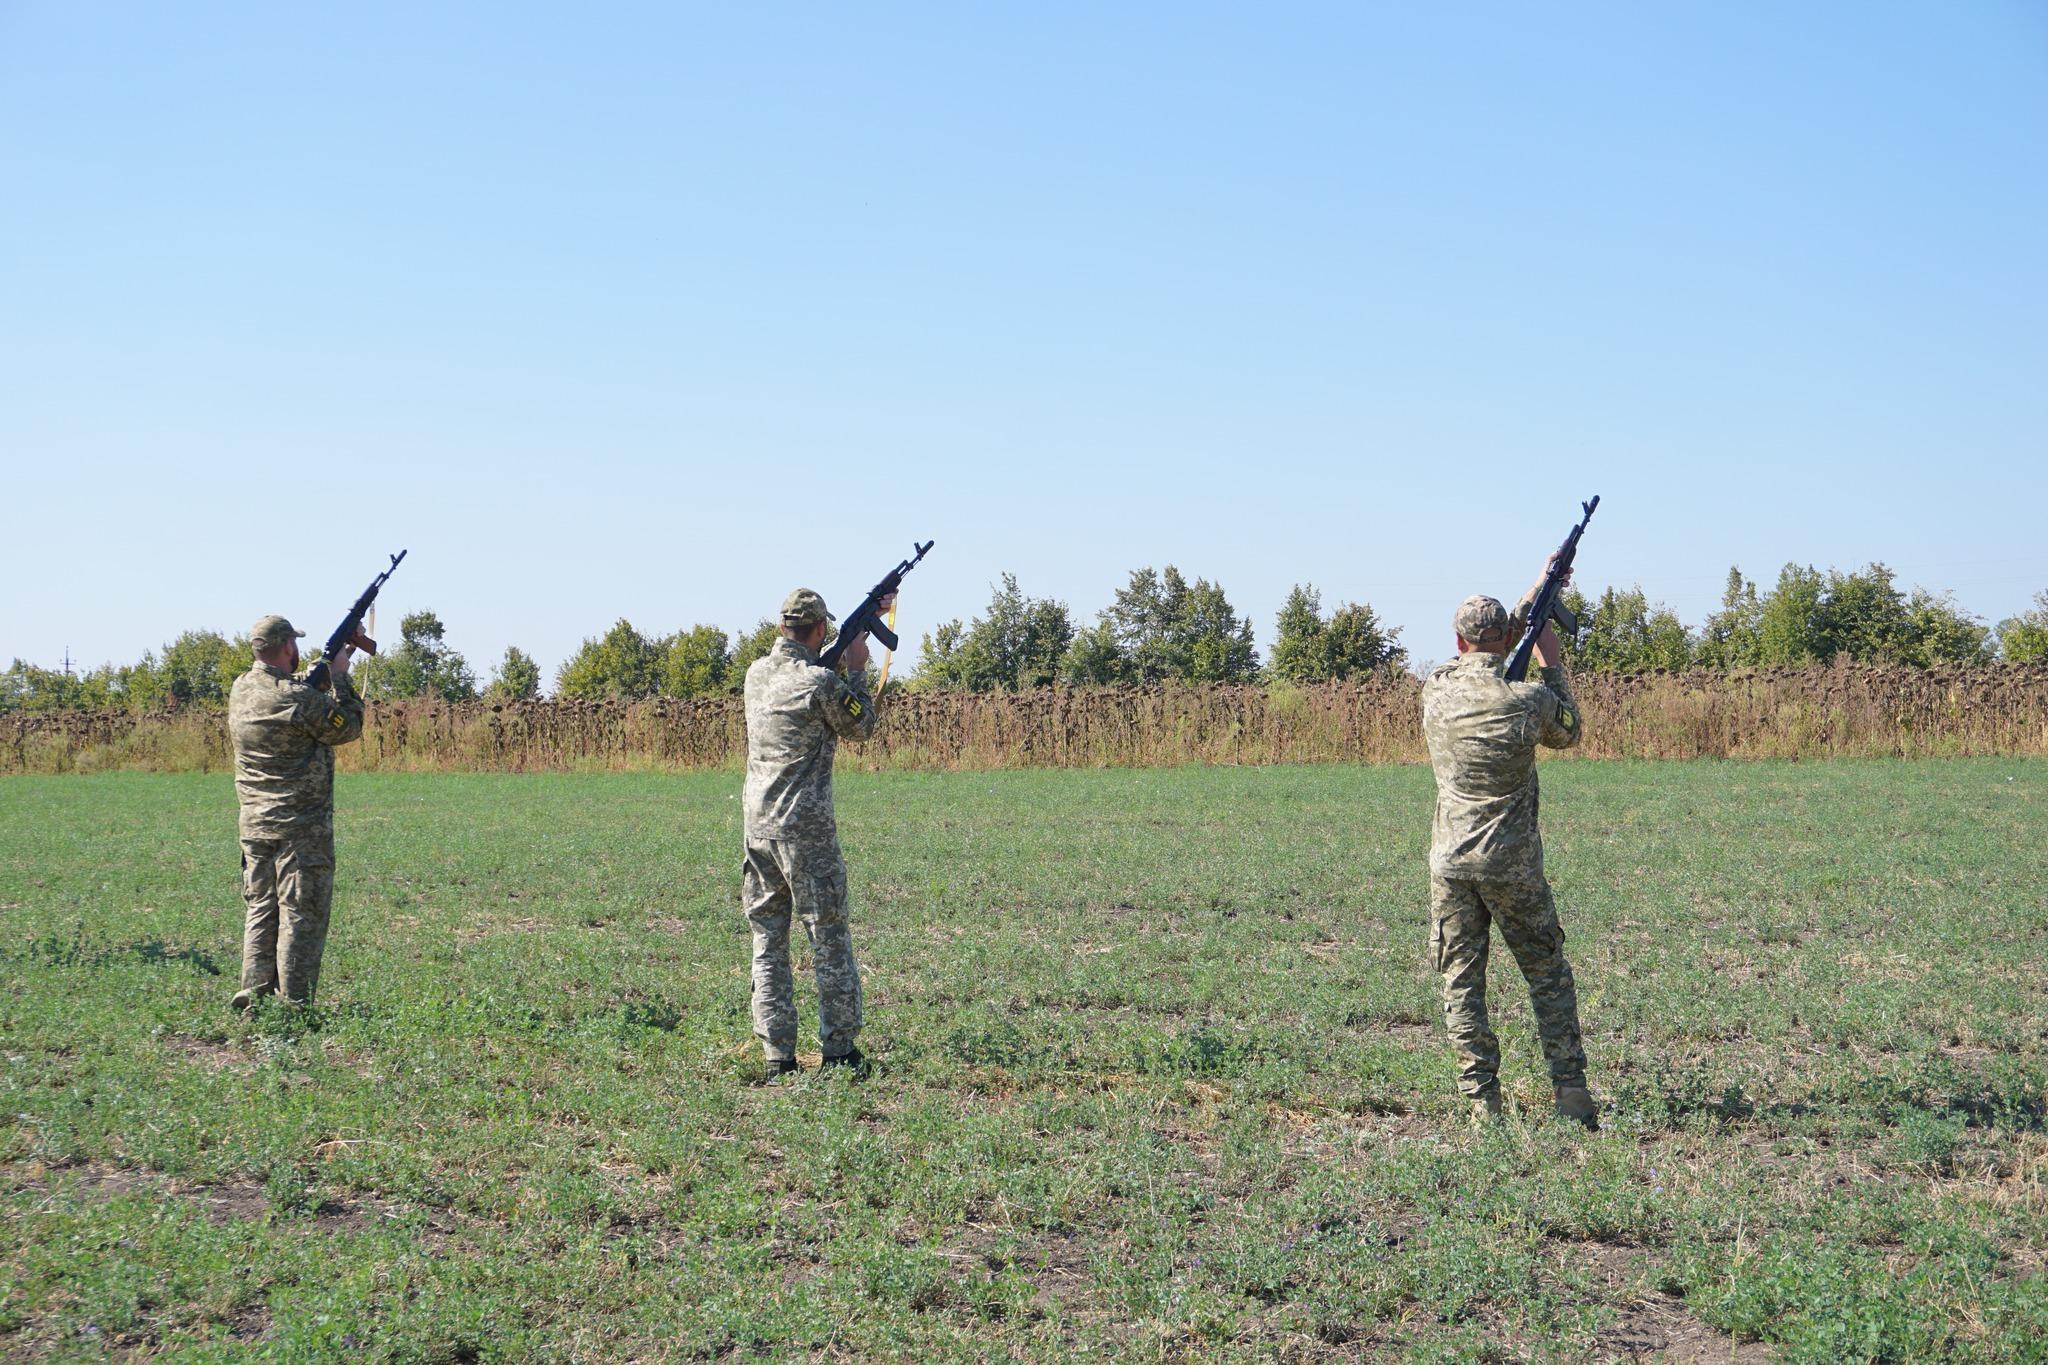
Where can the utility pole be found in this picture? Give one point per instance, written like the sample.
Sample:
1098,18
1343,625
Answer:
67,661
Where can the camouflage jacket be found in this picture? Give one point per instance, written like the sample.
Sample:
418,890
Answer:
797,710
284,734
1483,731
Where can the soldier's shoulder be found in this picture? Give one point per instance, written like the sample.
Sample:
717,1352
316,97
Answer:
823,682
259,682
777,677
1448,677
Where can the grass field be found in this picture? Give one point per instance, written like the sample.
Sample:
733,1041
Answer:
1162,1077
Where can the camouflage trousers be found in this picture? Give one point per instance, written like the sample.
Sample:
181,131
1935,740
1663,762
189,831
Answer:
288,886
809,878
1461,913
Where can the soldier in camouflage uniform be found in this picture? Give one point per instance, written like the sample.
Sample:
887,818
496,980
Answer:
1486,853
285,733
797,711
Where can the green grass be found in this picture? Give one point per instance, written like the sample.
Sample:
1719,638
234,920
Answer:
1161,1077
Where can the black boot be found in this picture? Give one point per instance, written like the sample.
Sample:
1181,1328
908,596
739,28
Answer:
852,1061
779,1069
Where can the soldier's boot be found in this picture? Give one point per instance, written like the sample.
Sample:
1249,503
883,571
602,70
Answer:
1576,1103
853,1062
1485,1107
779,1069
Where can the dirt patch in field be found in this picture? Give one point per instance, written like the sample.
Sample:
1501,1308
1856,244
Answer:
232,1201
207,1054
223,1202
47,1335
1323,1127
1055,1263
1649,1325
238,1200
523,924
251,1322
94,1177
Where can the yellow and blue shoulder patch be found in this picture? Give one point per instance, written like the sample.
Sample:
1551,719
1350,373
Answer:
853,706
337,721
1567,718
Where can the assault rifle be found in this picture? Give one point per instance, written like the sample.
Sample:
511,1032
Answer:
350,623
1549,603
866,619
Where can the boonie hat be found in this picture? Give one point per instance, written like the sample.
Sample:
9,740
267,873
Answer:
1482,619
273,630
804,608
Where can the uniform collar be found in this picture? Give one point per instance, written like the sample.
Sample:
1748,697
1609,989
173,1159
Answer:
1481,660
273,670
791,649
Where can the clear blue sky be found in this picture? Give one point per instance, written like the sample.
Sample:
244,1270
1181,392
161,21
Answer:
658,311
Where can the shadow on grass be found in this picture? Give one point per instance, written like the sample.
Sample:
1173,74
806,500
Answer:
79,951
2012,1098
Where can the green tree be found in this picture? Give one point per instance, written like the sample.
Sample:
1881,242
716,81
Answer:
694,662
25,687
620,663
1216,640
2024,638
1352,643
140,686
1095,658
517,677
1863,615
96,688
1300,645
200,666
1810,616
938,656
421,666
1021,642
1730,637
753,645
1167,628
1624,633
1788,622
198,669
1360,644
1943,633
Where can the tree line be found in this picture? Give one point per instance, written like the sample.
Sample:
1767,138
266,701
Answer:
1160,627
1807,617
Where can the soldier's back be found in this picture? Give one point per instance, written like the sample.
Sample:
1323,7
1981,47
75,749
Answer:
283,774
1482,733
788,790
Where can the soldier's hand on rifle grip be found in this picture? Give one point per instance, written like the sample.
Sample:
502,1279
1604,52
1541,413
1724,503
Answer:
855,659
337,667
1547,650
1529,597
363,642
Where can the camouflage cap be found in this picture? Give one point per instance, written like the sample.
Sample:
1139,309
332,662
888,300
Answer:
270,631
804,608
1482,620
